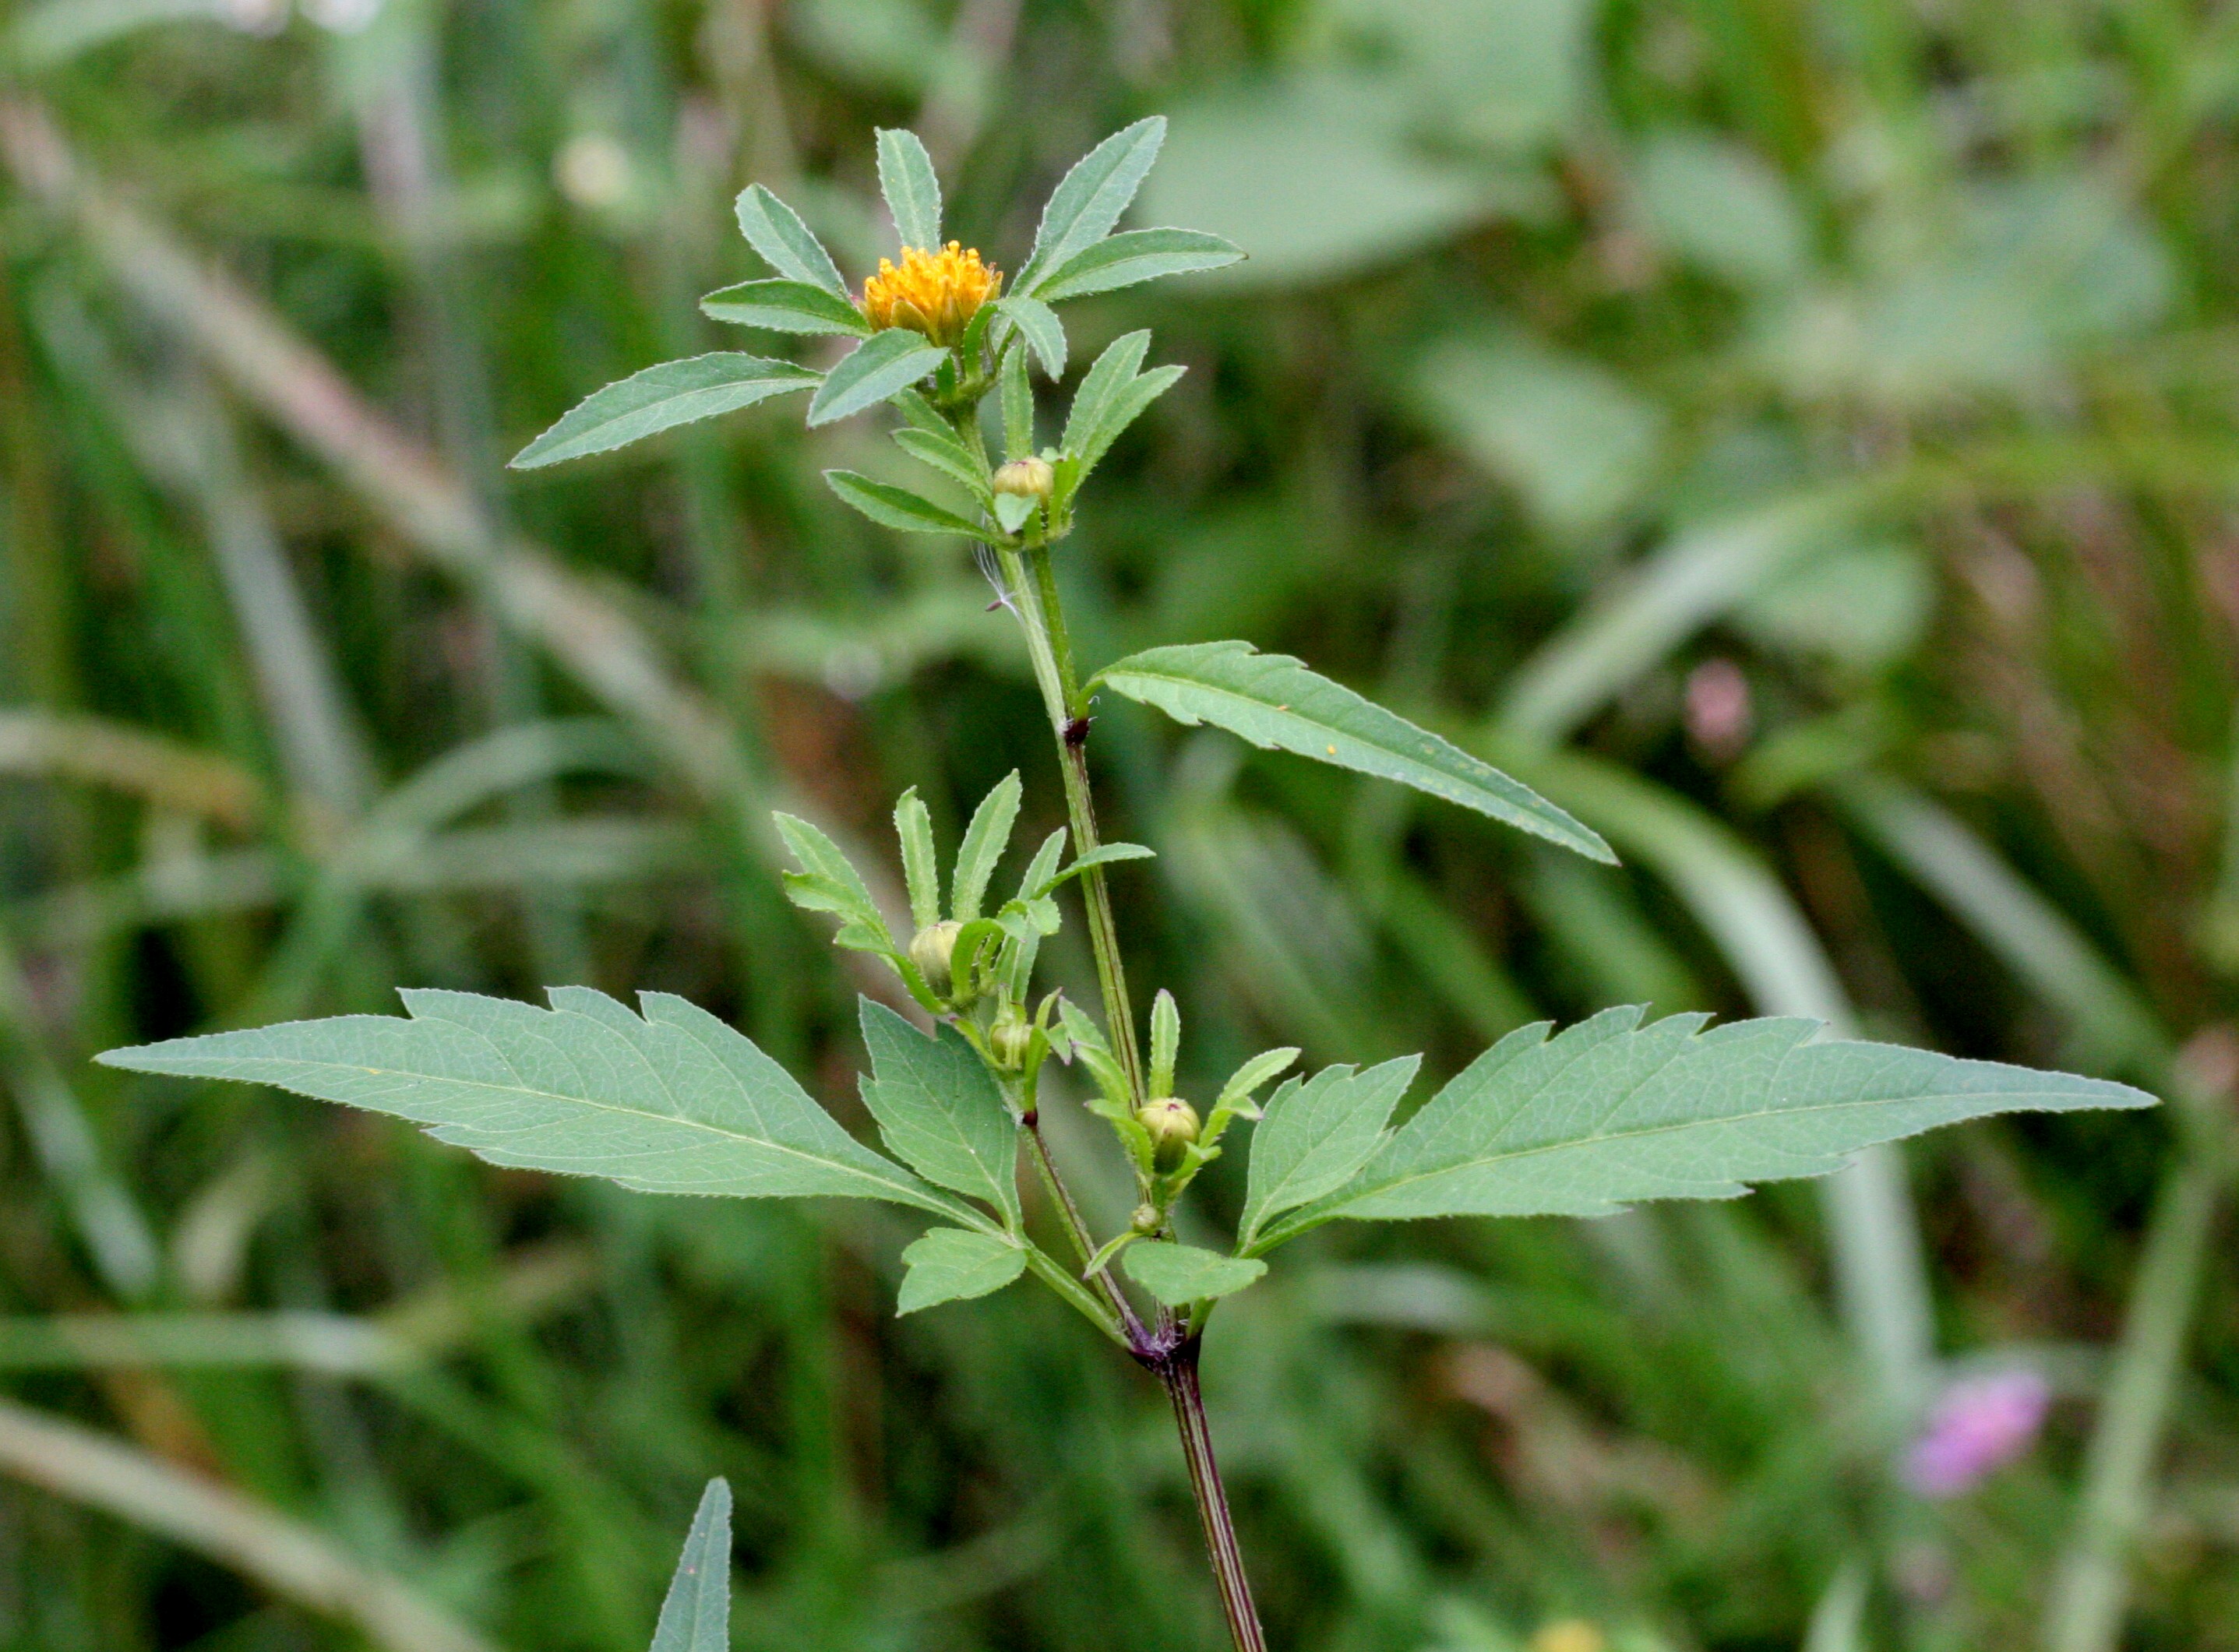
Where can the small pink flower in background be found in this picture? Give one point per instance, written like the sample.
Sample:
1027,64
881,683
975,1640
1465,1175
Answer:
1979,1423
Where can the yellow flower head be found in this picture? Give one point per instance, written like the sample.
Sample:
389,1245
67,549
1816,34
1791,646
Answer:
935,293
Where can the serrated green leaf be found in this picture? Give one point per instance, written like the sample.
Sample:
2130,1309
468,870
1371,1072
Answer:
827,880
1611,1112
785,307
1121,411
1109,375
1276,703
1165,1042
675,1102
949,1264
1179,1275
1253,1073
882,364
985,839
898,507
920,867
1018,407
1038,324
1089,199
912,189
695,1615
940,1110
1013,510
950,457
1095,1053
1314,1136
1133,256
1041,876
775,230
660,398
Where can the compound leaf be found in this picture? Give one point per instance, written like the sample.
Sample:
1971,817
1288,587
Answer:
950,1264
1179,1275
1314,1136
696,1615
1089,199
940,1110
1611,1112
660,398
671,1101
1276,703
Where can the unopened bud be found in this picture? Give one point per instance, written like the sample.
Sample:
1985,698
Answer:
1011,1036
1147,1219
1172,1124
933,951
1027,478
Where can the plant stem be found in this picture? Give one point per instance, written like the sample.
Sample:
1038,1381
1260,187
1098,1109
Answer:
1178,1370
1042,617
1083,1243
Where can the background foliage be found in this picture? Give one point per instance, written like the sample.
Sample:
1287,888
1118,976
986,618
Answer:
1796,437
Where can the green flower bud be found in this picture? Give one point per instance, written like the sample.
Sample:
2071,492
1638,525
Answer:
1027,478
1147,1219
933,951
1172,1122
1010,1036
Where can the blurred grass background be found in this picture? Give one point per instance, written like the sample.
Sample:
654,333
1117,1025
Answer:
1796,435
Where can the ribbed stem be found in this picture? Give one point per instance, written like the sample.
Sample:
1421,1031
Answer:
1178,1370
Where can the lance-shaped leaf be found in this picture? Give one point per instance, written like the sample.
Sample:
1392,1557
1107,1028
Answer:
674,1102
898,507
1611,1112
1276,703
775,230
696,1615
828,882
1314,1136
883,363
913,192
1109,375
660,398
785,307
1089,199
1179,1275
1118,414
985,839
950,1264
1137,256
949,457
940,1110
1038,325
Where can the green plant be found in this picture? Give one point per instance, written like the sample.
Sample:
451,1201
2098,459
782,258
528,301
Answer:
671,1100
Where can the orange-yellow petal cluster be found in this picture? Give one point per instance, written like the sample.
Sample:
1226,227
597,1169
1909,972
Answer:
935,293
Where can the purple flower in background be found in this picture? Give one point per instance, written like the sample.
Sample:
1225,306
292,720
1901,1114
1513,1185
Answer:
1979,1423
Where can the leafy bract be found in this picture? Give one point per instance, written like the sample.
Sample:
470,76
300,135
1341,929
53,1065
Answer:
674,392
827,882
1313,1137
1088,201
672,1102
950,1264
1276,703
920,870
785,307
1611,1112
775,230
1039,326
882,364
985,839
949,457
940,1110
1137,256
695,1617
913,192
898,507
1110,374
1179,1275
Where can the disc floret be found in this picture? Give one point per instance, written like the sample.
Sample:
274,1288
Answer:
934,293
